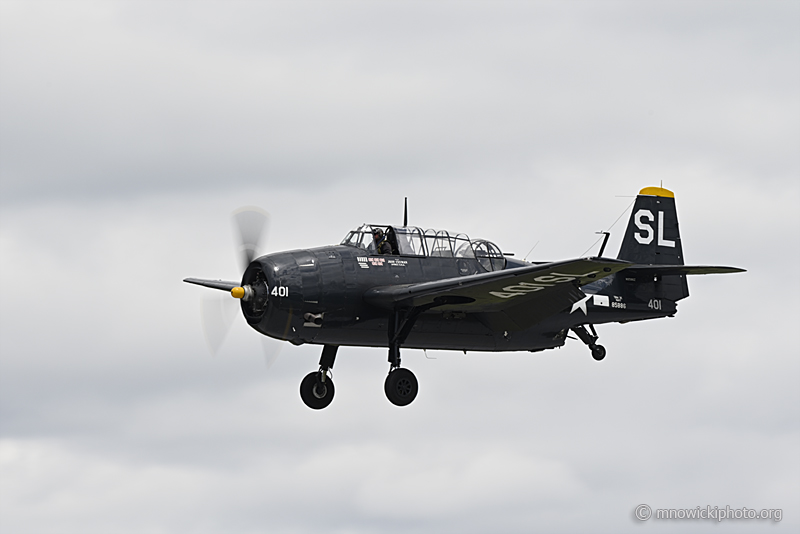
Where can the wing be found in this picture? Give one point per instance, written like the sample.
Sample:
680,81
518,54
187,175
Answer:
525,294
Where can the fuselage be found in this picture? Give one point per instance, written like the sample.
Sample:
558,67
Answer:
316,296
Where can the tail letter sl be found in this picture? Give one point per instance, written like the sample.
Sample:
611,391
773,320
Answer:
645,227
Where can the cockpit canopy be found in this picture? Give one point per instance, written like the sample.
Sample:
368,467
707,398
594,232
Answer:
412,241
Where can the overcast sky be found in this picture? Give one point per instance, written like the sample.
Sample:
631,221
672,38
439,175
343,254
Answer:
129,131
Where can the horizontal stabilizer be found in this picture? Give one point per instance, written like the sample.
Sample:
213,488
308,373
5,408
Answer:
214,284
683,269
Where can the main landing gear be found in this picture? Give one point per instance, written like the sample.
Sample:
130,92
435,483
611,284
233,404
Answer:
401,385
317,389
598,351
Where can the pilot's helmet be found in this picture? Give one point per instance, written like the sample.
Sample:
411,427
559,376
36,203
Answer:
377,233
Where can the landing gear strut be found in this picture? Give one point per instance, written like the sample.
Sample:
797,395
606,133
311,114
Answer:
317,389
401,385
598,351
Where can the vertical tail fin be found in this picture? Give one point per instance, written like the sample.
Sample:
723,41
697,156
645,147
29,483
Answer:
652,238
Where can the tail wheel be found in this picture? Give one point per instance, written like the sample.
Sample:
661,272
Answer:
316,393
401,387
598,352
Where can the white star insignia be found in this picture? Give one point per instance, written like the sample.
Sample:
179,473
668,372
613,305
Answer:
581,305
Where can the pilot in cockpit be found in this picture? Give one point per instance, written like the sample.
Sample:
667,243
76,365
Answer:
381,243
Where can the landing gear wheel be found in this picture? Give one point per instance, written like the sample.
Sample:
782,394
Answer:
401,387
598,352
316,393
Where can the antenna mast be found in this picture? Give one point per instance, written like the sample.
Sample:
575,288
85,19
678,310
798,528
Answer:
405,211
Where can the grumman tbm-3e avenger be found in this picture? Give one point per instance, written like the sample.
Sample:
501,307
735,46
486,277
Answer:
438,290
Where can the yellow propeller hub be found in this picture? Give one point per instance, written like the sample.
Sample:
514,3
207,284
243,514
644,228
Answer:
238,292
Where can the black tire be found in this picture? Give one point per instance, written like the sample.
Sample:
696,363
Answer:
598,352
401,387
315,393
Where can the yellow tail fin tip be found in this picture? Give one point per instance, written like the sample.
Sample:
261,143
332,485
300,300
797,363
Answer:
657,192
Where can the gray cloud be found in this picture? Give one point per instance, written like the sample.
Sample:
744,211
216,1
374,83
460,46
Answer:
119,98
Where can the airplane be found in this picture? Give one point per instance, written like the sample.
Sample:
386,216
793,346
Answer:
434,289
